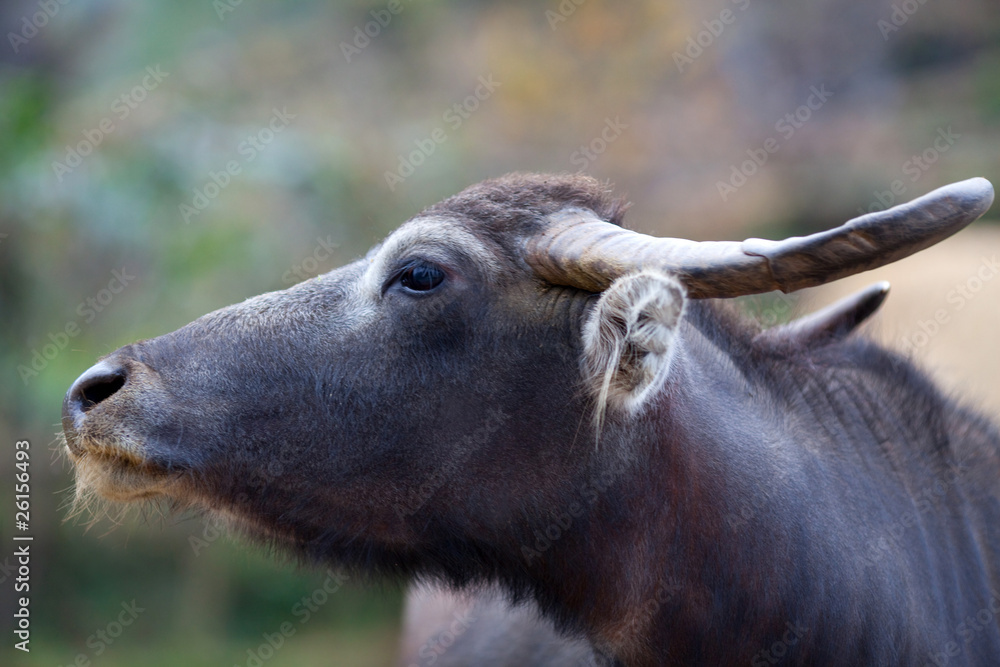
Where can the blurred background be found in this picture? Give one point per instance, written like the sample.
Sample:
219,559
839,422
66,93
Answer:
160,160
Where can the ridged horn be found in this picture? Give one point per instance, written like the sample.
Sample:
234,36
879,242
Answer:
578,249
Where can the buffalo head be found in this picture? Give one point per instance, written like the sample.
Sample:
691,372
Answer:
423,408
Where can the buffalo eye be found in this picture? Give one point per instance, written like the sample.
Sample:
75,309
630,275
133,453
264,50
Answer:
421,277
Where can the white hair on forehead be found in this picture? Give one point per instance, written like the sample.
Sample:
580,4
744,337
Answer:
433,238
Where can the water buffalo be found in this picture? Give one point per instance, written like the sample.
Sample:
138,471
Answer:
514,393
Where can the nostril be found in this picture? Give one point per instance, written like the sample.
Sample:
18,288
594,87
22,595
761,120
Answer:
99,389
96,386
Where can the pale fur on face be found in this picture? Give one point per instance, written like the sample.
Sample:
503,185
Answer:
436,239
629,340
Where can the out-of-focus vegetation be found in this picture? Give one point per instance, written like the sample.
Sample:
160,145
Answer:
669,99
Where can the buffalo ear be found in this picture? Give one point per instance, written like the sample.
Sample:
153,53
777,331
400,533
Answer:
629,339
830,325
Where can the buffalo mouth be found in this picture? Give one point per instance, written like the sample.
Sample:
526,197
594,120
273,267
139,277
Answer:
100,418
113,470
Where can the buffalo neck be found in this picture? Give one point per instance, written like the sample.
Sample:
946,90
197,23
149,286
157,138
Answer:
697,536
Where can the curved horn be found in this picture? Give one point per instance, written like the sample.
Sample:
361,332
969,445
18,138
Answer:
580,250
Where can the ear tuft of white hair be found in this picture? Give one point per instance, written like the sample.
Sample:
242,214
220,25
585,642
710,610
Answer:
629,341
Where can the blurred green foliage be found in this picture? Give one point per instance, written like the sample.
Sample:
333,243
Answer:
323,177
